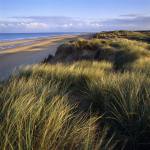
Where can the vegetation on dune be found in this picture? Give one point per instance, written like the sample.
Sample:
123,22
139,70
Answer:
36,113
97,97
119,51
137,35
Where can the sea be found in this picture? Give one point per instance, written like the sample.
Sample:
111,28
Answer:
21,36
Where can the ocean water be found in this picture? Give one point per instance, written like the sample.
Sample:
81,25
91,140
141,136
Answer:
19,36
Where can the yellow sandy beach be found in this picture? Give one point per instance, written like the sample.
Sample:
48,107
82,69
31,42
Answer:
14,54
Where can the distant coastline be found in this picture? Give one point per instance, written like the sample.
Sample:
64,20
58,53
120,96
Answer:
23,36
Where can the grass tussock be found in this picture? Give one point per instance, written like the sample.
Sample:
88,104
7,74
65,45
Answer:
36,115
96,104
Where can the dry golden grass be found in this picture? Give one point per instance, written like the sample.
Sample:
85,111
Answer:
81,105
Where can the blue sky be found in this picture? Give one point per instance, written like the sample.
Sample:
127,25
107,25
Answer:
73,15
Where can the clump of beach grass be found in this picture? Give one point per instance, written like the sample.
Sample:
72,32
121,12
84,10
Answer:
36,116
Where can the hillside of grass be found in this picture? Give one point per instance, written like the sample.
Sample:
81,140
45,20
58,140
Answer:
136,35
92,95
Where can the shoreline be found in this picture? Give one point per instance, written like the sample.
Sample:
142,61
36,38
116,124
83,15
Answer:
12,45
34,52
51,35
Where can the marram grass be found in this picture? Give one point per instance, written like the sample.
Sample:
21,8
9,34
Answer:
36,114
85,105
37,111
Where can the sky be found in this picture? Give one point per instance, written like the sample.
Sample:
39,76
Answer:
19,16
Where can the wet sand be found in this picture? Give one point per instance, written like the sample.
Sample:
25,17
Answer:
26,52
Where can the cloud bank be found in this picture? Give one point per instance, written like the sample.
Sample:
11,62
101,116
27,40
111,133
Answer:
68,24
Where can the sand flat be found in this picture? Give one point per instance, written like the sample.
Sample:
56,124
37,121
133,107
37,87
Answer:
13,58
32,44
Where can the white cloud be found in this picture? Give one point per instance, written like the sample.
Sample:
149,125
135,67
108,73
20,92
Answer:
6,26
36,25
66,24
2,25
